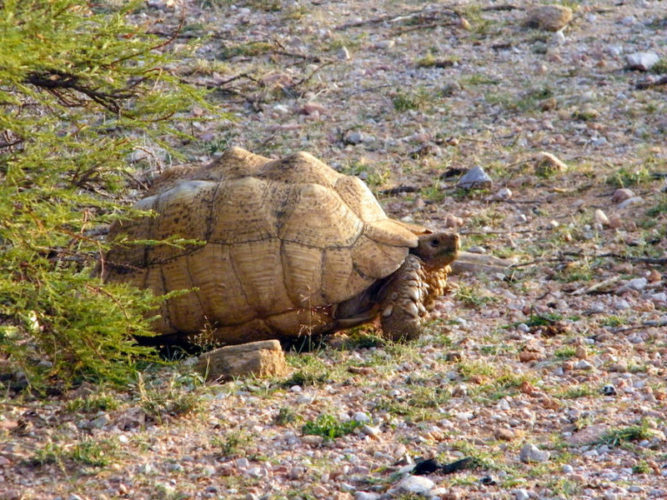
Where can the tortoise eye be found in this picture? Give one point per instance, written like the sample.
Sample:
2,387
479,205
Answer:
435,242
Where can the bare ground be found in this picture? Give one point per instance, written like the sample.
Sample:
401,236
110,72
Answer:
565,351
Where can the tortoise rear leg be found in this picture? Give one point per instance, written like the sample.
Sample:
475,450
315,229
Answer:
403,297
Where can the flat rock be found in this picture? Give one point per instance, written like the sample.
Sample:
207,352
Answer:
261,359
642,61
587,435
531,453
417,485
548,17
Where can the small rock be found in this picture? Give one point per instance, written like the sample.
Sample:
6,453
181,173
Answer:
261,359
477,249
531,453
520,494
654,276
362,417
312,440
634,284
418,485
505,434
547,164
621,195
620,304
449,90
583,365
281,108
628,21
488,481
364,495
503,194
601,218
460,390
567,469
385,44
99,422
311,108
354,137
630,201
548,17
587,435
371,431
475,178
642,61
453,222
343,54
609,390
558,38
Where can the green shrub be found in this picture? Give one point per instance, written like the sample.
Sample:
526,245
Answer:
80,88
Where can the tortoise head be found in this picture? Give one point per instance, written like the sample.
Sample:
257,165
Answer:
438,249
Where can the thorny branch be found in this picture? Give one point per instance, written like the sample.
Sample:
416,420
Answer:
59,83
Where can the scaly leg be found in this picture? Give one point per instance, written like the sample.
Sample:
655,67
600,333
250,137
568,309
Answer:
402,310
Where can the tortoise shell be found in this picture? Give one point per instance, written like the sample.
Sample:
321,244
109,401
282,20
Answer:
281,243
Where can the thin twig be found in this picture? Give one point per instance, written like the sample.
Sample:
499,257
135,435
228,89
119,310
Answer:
393,18
645,324
311,74
611,255
425,26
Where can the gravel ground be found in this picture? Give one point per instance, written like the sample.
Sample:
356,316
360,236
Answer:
551,376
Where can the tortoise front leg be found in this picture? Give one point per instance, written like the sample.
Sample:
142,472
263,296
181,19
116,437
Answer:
402,306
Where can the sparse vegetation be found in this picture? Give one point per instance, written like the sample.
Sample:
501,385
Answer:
537,354
632,433
329,427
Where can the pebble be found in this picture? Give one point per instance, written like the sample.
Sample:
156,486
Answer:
548,17
621,195
418,485
558,38
477,249
547,164
503,404
343,54
601,218
583,365
453,221
385,44
365,495
567,469
281,108
503,194
531,453
621,304
642,61
631,201
99,422
609,390
634,284
371,431
520,494
354,137
362,417
475,178
505,434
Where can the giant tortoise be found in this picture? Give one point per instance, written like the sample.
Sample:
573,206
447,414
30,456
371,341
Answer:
286,248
